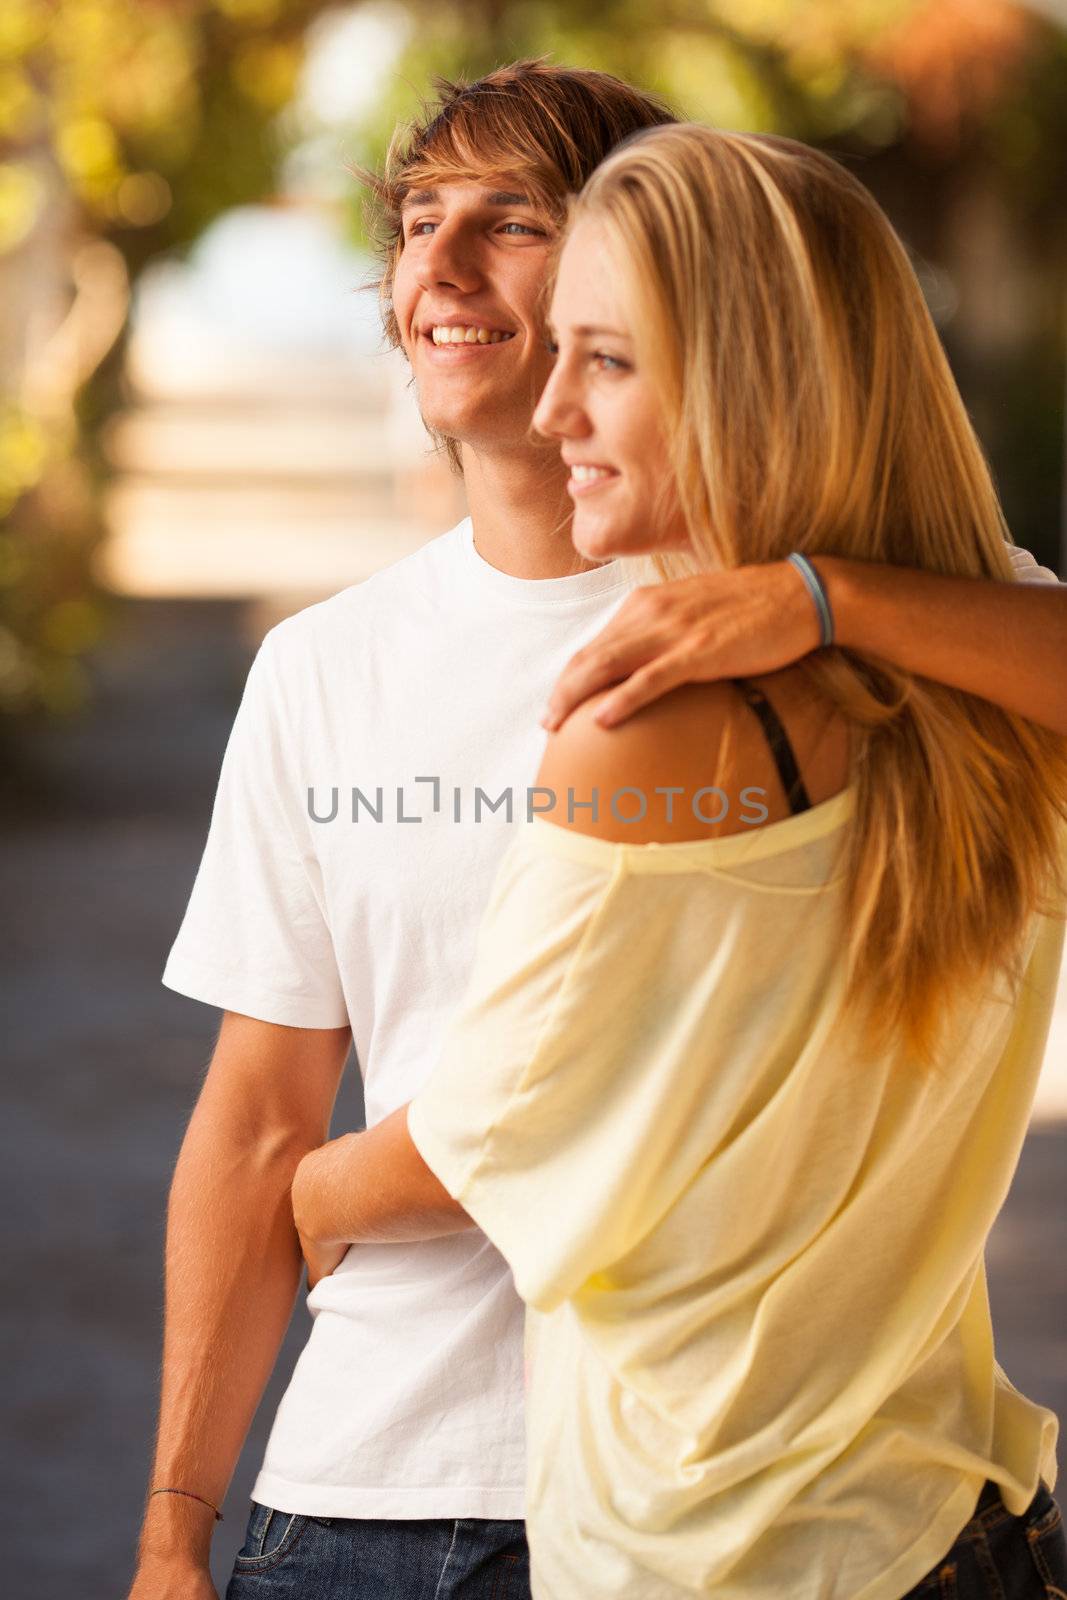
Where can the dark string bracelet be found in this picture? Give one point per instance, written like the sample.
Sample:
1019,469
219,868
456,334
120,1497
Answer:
218,1514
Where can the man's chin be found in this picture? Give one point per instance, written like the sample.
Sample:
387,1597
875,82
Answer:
471,425
472,413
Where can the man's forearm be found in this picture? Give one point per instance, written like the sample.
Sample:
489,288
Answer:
1005,642
233,1265
373,1188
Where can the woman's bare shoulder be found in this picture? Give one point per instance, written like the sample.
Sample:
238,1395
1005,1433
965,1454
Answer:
678,743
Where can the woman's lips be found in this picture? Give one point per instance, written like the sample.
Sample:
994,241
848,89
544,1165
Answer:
587,480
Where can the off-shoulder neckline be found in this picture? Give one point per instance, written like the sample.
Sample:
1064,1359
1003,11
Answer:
753,843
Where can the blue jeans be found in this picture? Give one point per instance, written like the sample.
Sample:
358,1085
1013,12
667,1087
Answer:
292,1557
997,1556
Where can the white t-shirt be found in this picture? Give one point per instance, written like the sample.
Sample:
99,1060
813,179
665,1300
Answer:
408,1398
407,1401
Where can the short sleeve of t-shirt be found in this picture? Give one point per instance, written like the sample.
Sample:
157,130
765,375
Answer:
255,936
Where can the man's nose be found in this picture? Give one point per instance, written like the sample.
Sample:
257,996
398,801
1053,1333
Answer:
448,260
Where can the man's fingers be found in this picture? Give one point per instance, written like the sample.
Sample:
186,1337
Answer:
642,687
593,668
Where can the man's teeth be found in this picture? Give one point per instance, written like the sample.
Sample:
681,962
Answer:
468,336
587,474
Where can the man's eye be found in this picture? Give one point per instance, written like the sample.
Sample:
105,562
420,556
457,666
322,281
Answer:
415,229
523,227
550,345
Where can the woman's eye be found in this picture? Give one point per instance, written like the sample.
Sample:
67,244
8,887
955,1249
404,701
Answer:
606,363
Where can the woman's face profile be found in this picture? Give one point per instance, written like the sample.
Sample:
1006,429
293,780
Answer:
600,405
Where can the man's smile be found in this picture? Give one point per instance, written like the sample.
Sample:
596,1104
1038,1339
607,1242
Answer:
452,335
467,334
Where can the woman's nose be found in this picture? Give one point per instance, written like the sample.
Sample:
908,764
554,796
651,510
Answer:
559,414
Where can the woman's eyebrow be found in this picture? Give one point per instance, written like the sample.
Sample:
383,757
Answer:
587,331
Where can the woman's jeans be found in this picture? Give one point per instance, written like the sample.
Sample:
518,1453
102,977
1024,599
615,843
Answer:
997,1556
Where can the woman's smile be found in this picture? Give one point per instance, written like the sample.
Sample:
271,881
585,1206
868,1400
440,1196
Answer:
586,479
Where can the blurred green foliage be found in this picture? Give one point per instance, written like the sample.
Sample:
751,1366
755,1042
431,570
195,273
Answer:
135,122
789,66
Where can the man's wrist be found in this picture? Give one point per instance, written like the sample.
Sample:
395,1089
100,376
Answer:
839,579
176,1531
150,1559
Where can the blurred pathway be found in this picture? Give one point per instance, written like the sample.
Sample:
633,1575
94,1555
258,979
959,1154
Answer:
96,861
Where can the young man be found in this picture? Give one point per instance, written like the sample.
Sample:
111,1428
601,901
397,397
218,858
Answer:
408,705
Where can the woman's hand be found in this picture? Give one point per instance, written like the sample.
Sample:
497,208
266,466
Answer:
311,1196
727,624
321,1259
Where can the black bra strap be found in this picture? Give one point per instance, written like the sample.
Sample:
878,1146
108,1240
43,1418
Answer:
781,749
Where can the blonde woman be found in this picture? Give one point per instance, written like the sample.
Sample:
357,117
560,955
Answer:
758,1007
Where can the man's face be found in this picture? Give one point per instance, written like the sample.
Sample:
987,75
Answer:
472,267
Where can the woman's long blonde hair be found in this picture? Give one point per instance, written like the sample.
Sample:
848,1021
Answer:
809,406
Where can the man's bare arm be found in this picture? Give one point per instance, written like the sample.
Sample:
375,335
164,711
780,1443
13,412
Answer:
1005,642
232,1269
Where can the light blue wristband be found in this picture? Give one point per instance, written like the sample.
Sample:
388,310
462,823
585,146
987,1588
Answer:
818,594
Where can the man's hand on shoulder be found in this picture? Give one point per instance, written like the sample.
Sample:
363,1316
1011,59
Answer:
736,623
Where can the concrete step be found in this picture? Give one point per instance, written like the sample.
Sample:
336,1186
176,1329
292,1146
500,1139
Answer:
305,442
249,540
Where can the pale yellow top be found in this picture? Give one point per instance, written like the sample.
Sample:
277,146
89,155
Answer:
760,1361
